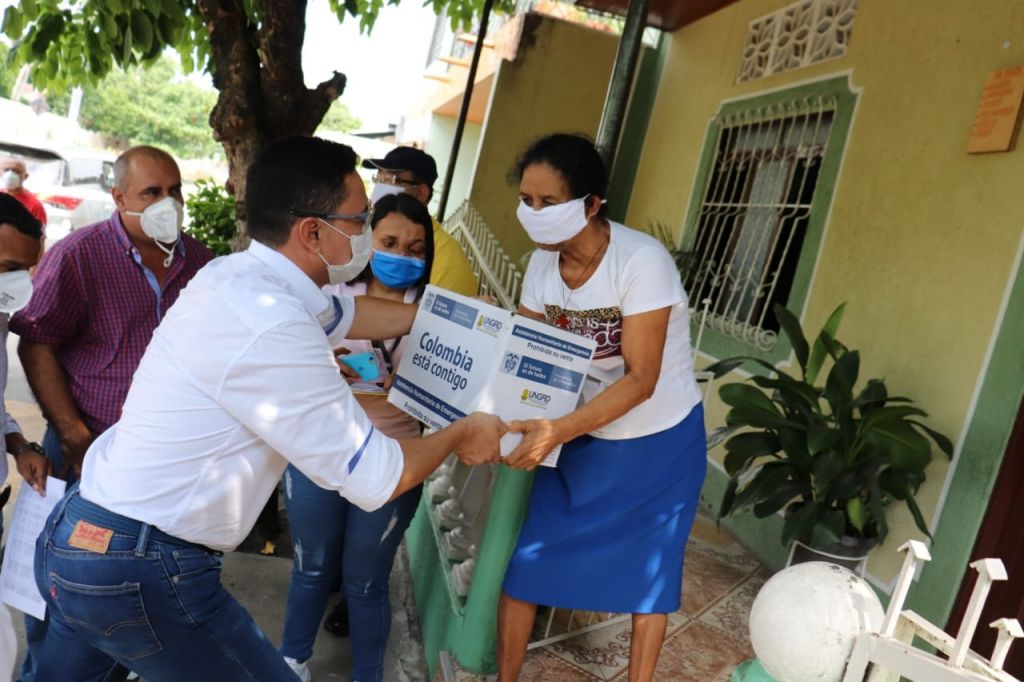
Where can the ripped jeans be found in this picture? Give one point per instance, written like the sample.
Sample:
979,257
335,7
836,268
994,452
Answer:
335,539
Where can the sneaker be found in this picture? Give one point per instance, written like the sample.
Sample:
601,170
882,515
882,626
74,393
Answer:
299,668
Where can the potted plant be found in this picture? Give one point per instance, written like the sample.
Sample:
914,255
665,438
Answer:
832,457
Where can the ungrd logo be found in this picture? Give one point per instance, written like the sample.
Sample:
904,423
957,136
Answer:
535,398
489,325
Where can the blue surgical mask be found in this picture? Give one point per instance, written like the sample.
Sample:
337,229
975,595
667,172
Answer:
397,272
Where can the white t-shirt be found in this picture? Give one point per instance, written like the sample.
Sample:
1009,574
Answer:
636,275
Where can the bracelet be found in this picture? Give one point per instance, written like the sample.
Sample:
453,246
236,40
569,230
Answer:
28,445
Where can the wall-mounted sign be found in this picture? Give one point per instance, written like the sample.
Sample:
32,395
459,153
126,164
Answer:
998,118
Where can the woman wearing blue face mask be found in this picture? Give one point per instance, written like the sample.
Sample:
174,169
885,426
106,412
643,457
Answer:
333,539
606,528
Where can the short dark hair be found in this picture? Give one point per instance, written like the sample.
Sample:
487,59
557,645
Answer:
298,172
13,212
412,208
574,157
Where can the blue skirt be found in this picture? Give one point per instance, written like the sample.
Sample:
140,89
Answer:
606,529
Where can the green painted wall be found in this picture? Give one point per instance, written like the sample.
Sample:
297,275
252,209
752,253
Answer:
920,237
467,628
977,467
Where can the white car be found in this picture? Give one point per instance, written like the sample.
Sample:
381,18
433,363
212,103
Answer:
73,184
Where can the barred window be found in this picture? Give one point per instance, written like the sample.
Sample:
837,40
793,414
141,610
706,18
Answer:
753,219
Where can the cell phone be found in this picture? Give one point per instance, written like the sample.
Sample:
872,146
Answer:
364,364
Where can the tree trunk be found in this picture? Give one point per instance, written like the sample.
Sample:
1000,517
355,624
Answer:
257,69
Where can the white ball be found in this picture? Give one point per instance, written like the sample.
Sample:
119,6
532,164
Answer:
805,619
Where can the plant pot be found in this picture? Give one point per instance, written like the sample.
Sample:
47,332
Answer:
849,552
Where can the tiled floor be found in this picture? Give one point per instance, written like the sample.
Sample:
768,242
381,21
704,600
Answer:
706,639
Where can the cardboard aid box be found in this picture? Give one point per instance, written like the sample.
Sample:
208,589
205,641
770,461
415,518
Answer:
465,356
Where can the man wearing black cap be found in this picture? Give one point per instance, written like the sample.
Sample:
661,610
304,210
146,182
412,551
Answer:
413,171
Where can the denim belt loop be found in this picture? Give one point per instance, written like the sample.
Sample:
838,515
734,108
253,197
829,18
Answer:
140,546
58,512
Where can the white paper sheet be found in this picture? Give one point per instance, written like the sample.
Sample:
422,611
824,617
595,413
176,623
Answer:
17,577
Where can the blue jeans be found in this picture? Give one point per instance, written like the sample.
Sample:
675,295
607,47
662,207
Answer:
335,539
35,629
152,603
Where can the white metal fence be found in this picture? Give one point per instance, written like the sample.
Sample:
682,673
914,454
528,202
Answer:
498,275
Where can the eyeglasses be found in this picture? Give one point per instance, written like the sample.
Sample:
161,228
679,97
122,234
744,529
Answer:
391,178
364,218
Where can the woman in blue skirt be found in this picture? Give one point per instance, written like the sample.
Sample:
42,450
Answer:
606,528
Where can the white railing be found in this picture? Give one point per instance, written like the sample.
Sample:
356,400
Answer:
498,275
459,495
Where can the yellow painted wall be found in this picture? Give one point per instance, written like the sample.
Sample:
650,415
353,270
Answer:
556,83
922,236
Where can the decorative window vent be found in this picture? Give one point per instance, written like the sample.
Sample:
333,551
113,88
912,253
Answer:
755,212
804,33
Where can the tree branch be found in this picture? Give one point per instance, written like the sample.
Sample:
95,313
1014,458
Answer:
315,103
281,35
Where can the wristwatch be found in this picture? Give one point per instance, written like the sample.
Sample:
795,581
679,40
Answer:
28,445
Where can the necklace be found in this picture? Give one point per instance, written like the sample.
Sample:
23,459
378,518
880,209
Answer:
567,291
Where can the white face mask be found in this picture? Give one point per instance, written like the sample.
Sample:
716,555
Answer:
381,190
161,222
362,249
11,179
15,291
554,224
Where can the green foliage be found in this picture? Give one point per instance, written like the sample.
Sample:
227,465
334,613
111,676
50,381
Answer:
73,42
7,74
340,119
832,456
149,106
211,213
462,13
80,42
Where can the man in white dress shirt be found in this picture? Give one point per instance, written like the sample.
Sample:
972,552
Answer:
238,381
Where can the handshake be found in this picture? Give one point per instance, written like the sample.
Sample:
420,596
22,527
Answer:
478,440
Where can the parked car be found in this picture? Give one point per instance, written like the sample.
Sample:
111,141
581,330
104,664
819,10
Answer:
73,184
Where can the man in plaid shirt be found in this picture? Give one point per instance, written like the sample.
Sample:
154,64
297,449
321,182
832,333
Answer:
98,295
